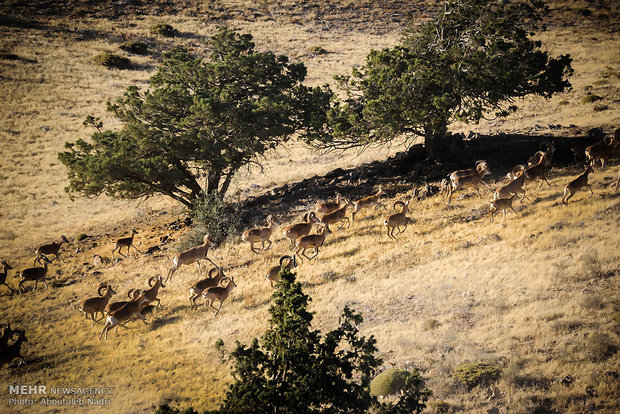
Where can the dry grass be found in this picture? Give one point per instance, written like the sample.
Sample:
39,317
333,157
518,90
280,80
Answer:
537,296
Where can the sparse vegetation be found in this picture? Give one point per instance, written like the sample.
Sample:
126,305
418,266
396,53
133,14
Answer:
473,374
591,98
518,297
600,346
112,61
318,50
215,217
431,324
163,29
135,46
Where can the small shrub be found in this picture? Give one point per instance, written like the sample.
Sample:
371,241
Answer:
473,374
590,98
391,381
592,302
166,409
134,46
430,324
600,346
215,217
563,102
81,236
328,276
599,108
317,50
590,265
111,60
440,407
163,29
8,56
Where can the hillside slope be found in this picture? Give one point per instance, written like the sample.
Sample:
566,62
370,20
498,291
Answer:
537,296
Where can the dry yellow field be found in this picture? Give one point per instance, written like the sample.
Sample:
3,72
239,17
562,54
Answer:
539,295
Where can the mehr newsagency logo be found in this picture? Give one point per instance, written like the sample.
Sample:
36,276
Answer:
29,395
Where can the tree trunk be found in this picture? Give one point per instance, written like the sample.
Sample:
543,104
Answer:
440,145
212,183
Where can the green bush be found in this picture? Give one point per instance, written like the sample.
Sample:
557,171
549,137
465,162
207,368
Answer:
134,46
440,407
591,98
111,60
214,217
600,346
431,324
391,381
317,50
81,236
563,102
473,374
163,29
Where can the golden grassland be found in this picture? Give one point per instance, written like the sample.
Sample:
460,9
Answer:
531,294
539,295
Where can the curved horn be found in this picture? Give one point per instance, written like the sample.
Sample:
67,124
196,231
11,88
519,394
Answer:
65,239
213,269
283,258
399,203
479,162
17,332
306,217
137,293
102,286
608,140
130,294
150,279
214,264
294,261
312,217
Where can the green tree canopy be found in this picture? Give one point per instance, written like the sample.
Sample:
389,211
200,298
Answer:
295,369
473,59
201,118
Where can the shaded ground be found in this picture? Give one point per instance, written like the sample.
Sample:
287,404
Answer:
397,174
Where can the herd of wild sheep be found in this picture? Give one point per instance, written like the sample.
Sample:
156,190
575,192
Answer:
217,286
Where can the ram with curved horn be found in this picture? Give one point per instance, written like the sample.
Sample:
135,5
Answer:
132,294
92,306
155,283
295,231
124,315
396,220
215,276
602,151
35,274
462,179
514,186
273,274
545,155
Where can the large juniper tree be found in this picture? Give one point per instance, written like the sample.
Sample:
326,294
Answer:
471,61
201,120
